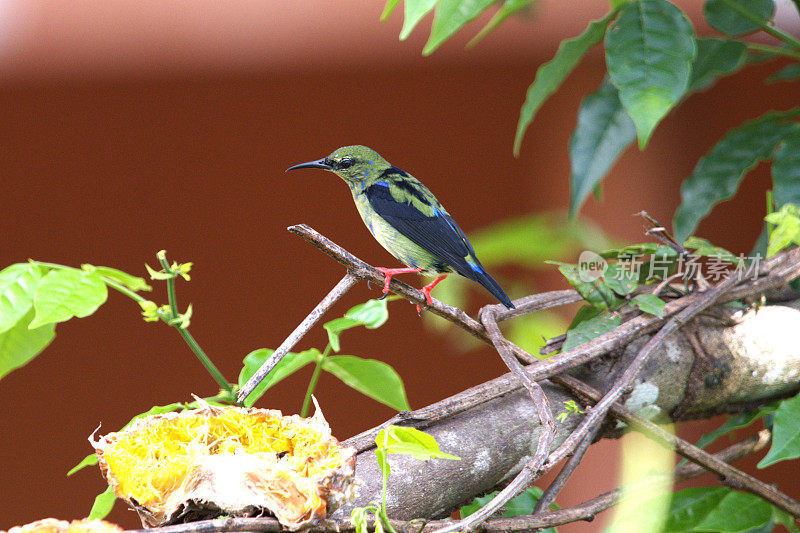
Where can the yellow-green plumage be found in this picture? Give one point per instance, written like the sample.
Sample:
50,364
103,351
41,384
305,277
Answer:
405,217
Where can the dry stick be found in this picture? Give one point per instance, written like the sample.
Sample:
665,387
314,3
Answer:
344,285
778,269
584,511
733,477
548,429
589,509
781,268
551,493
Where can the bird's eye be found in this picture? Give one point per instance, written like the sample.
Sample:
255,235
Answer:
345,163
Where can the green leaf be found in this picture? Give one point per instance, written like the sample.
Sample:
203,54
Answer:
370,377
371,314
786,171
787,73
715,58
632,250
62,294
522,505
649,52
388,8
593,291
335,327
703,247
358,516
737,422
412,442
718,174
17,285
649,303
451,15
134,283
604,130
291,363
89,460
20,344
731,22
717,509
591,328
103,504
785,433
508,8
583,314
787,230
415,10
620,279
550,75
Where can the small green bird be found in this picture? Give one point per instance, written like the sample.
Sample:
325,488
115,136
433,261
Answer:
407,219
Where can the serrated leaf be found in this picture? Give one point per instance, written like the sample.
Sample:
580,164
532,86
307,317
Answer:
737,422
291,363
591,328
715,58
451,15
718,174
785,433
649,303
19,344
716,509
17,285
370,377
412,442
550,75
67,293
786,171
415,10
134,283
604,130
89,460
649,52
731,22
787,73
103,504
632,250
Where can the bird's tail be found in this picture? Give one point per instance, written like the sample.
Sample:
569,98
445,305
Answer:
481,276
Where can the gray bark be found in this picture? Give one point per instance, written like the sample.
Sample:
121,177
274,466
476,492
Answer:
739,366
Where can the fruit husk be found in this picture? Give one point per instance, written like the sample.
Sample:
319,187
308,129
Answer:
202,463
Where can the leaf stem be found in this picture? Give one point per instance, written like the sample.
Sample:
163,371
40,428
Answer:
201,355
765,26
312,384
776,50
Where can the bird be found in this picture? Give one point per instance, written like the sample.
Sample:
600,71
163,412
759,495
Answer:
407,220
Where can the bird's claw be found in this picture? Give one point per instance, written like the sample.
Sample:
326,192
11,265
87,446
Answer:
383,296
421,308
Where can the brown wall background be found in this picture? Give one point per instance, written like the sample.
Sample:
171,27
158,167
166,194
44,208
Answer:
158,129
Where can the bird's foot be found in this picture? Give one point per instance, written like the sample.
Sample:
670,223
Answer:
389,273
426,290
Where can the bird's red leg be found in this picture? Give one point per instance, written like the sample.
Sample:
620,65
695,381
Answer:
426,290
390,273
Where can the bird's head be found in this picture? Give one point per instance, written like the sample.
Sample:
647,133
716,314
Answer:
353,164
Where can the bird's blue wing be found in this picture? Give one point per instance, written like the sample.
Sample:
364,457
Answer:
438,234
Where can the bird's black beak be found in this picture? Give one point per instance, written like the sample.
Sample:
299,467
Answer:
319,163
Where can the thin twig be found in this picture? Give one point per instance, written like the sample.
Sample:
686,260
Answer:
546,422
344,285
729,475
